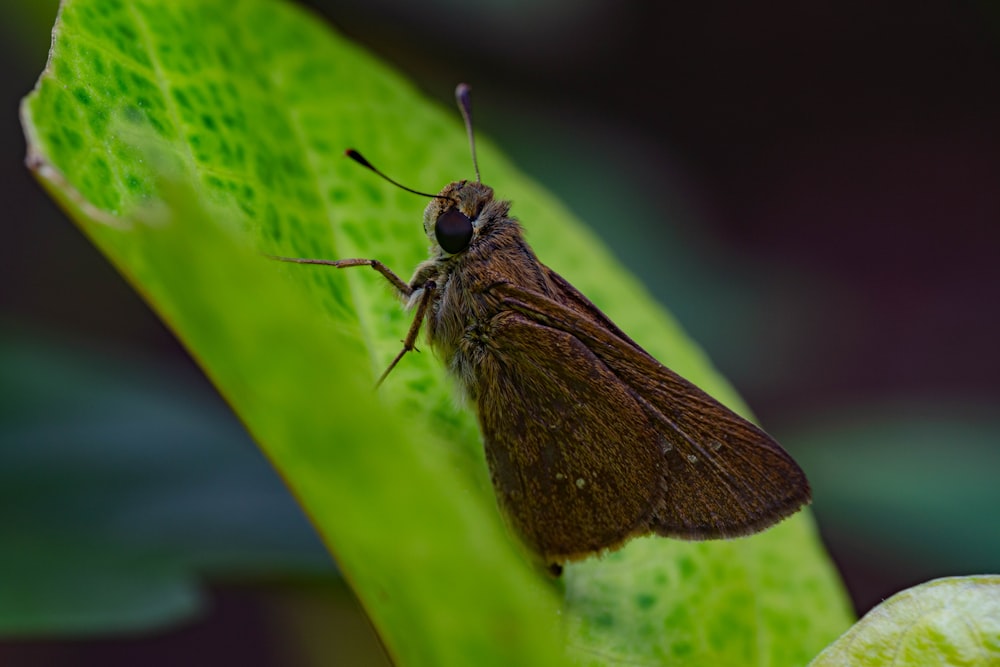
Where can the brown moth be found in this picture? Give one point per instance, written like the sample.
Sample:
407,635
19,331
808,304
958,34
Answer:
590,441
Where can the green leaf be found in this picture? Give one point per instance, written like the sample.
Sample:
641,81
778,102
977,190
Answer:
119,488
185,139
952,621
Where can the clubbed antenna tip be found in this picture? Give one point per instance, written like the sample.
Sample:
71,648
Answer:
360,159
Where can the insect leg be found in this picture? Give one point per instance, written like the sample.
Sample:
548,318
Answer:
401,285
411,336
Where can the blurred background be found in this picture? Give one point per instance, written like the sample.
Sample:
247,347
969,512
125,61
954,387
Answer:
811,189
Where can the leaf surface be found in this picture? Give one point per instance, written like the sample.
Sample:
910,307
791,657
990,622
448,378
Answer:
186,139
951,621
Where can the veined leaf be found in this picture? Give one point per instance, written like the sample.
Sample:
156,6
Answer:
952,621
186,139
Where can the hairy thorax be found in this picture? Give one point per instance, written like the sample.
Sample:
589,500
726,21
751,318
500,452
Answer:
459,321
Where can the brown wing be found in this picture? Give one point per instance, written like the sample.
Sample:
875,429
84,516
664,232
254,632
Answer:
722,476
575,459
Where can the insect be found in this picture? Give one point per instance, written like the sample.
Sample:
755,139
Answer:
590,441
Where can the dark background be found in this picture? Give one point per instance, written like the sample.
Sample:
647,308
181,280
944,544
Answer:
811,188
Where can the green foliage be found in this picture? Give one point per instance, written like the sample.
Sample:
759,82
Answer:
949,447
954,621
119,488
185,139
943,459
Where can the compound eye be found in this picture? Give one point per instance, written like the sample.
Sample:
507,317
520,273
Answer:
453,230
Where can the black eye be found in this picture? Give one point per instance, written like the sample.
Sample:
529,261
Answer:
453,230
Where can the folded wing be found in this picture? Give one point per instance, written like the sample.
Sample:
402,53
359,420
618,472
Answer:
663,456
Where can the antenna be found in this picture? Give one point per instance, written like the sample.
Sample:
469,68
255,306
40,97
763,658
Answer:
360,159
464,98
